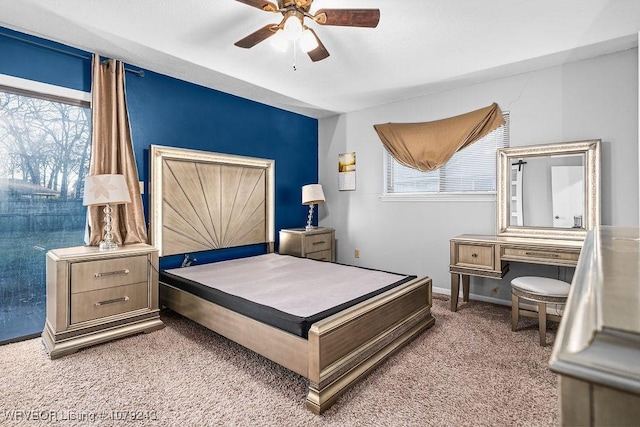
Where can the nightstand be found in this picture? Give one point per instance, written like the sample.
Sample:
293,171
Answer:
317,243
95,296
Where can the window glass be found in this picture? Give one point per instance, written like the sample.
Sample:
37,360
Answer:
471,170
44,157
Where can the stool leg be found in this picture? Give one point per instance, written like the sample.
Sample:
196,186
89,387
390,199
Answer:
542,323
515,311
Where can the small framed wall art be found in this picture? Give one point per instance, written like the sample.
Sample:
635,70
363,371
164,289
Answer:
347,171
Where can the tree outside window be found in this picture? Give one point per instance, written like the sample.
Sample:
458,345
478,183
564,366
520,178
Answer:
44,157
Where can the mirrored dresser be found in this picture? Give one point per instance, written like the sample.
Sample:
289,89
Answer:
597,349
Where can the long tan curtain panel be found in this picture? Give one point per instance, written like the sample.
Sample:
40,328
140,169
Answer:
427,146
112,153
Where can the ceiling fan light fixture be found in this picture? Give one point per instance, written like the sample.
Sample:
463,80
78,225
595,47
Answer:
308,40
293,27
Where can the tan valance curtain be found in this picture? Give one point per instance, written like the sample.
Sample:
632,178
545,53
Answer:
427,146
112,153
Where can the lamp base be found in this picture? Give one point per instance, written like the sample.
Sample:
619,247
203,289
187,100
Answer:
309,218
108,246
107,243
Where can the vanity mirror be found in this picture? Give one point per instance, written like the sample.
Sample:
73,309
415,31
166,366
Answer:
549,191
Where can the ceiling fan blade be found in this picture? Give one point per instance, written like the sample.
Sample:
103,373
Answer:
260,4
257,36
348,17
320,52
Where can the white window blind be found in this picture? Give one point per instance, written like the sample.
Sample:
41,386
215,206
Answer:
471,170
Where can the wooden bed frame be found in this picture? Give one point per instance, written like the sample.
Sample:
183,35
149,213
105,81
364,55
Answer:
204,201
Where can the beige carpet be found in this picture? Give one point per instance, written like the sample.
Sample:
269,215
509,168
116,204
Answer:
469,369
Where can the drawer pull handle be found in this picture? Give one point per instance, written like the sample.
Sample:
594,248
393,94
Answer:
112,273
542,254
474,255
322,242
112,301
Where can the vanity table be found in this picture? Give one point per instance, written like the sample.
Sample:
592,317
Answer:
489,256
538,221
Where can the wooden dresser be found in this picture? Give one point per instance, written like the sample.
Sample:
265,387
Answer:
318,243
95,296
489,256
597,349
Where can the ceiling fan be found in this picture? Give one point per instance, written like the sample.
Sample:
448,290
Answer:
292,26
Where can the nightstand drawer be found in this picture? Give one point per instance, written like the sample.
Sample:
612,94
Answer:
320,255
107,302
475,256
102,274
317,242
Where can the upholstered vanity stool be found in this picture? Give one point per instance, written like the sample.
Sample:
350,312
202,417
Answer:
542,291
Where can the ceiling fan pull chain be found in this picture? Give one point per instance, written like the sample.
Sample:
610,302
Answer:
295,46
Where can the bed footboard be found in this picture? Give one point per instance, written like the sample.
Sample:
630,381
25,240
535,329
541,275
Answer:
281,347
343,348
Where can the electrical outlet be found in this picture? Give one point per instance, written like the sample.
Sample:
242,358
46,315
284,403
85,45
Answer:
357,253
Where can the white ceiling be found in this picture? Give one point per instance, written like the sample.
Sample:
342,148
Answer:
419,46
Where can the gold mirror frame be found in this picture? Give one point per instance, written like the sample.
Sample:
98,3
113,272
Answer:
591,150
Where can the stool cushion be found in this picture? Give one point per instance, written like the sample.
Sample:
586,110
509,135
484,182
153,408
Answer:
541,286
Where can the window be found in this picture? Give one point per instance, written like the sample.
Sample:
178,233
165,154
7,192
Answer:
44,156
469,171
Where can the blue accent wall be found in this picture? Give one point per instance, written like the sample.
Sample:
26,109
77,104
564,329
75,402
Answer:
33,58
171,112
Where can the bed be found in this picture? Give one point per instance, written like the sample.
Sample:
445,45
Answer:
202,201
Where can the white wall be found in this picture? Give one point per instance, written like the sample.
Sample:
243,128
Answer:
595,98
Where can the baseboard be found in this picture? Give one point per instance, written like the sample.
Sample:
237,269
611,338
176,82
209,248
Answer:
447,291
556,309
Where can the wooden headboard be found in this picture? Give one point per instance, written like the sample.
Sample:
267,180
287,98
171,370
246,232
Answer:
201,200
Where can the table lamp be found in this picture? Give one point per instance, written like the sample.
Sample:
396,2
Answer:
107,190
312,194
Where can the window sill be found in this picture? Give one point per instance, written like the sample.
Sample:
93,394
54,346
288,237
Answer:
448,197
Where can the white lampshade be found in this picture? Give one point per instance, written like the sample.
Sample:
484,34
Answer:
308,41
279,41
105,189
292,27
312,194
